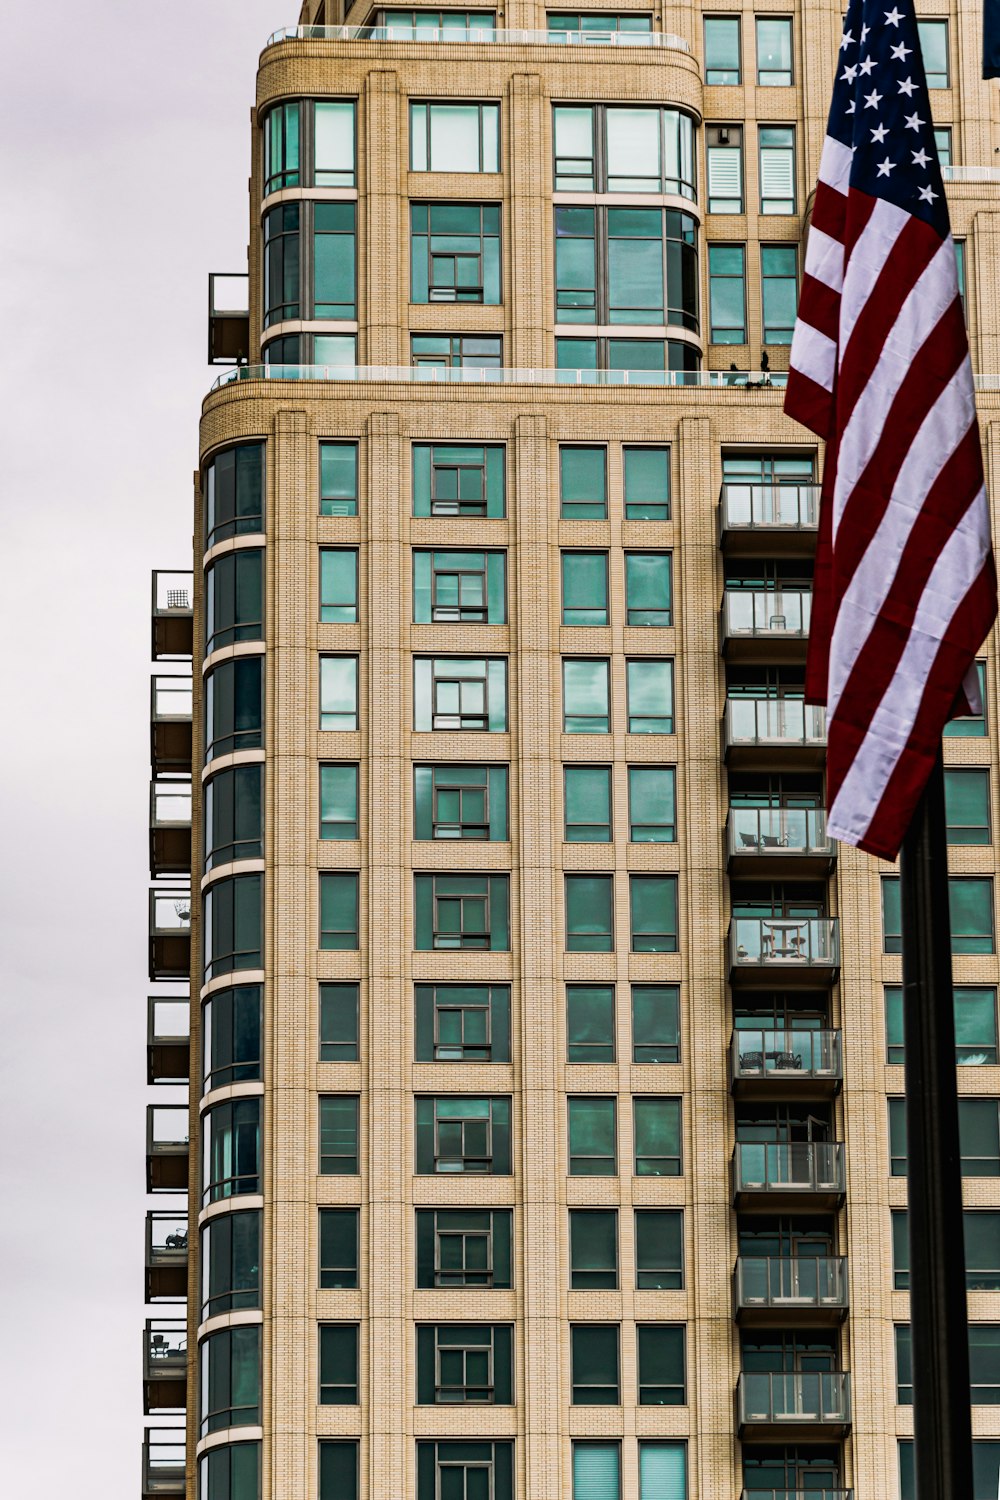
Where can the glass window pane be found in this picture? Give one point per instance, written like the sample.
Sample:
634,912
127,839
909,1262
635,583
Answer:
592,1148
589,913
590,1023
586,704
587,804
648,588
647,484
596,1471
722,50
650,683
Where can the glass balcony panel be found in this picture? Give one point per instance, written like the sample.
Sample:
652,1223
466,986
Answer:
775,830
166,1128
794,1494
802,1053
166,1238
173,593
774,721
169,1019
789,507
164,1457
170,803
777,942
171,698
169,911
816,1397
476,32
766,612
791,1281
172,615
165,1347
801,1166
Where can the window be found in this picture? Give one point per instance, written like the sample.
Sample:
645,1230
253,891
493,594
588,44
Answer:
722,50
234,926
653,907
329,350
967,806
338,909
661,1364
590,1023
334,261
960,271
455,137
593,1248
594,1360
230,1263
338,479
338,801
462,1023
934,47
460,692
465,1470
338,1364
984,1364
780,292
652,804
230,1379
231,1142
234,599
234,707
584,588
596,1471
281,132
656,1036
455,252
623,149
333,143
338,1023
586,696
282,255
626,265
583,485
338,585
589,913
467,1364
659,1249
234,816
978,1134
662,1471
231,1036
727,300
904,1365
464,1247
338,1135
460,479
724,147
644,359
460,802
230,1472
438,25
234,493
338,692
460,587
594,27
774,51
648,588
459,1134
657,1125
985,1471
587,799
338,1470
462,911
971,726
975,1024
897,1137
971,905
982,1251
647,483
943,147
456,351
338,1247
777,168
592,1136
650,683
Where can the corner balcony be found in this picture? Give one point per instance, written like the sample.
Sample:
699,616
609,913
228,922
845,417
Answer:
170,725
170,827
173,615
780,1407
790,1291
737,381
167,1148
164,1365
166,1255
779,842
768,734
164,1462
765,625
169,932
787,1177
784,950
773,519
168,1039
784,1064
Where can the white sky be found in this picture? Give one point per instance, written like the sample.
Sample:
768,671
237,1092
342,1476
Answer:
125,152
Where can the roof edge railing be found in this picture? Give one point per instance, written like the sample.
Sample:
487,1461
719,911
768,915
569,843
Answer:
482,35
468,375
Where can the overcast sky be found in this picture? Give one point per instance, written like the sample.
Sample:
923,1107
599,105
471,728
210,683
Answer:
125,152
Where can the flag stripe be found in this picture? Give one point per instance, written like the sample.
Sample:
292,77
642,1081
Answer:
824,259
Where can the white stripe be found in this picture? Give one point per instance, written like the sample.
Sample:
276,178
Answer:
835,164
930,295
825,259
867,261
813,354
954,573
938,436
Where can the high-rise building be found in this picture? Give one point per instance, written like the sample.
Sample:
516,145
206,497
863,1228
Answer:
545,1134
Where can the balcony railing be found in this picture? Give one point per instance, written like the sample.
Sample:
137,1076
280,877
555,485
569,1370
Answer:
791,1283
170,826
786,1055
798,1167
789,1494
491,375
163,1461
167,1148
170,724
172,614
228,317
164,1364
169,932
778,832
784,942
816,1398
971,174
769,616
482,34
769,507
780,723
168,1038
166,1254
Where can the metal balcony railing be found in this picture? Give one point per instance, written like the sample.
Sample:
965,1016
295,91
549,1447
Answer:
800,1054
483,34
168,1038
971,174
166,1254
491,375
171,700
787,1494
791,1282
778,722
164,1457
770,831
167,1148
783,942
164,1365
807,1398
170,803
169,932
765,614
794,1166
758,507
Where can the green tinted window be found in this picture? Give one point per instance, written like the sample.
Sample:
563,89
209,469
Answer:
338,1364
648,588
234,599
659,1249
338,1023
461,1134
657,1136
464,1247
656,1023
338,801
460,802
586,696
653,905
590,1023
585,588
727,294
647,484
338,909
967,806
779,285
338,692
462,1023
583,490
338,585
722,50
587,804
971,726
338,479
650,684
338,1247
592,1147
661,1364
334,261
589,913
594,1358
459,587
461,479
462,911
934,47
774,51
455,252
338,1471
971,907
593,1248
333,143
338,1135
652,804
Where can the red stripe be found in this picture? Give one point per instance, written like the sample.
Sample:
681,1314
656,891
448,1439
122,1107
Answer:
808,402
819,306
829,211
821,624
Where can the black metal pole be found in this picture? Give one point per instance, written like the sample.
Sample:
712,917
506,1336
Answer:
942,1417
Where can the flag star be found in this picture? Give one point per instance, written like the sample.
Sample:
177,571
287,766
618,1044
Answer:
864,32
920,158
907,87
868,65
879,133
893,17
850,108
913,122
846,41
902,52
885,167
927,195
849,75
873,100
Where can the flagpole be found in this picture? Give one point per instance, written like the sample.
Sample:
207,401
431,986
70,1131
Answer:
942,1417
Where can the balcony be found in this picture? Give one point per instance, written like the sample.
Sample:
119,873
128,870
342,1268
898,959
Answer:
168,1039
164,1365
790,1291
170,827
482,35
228,317
166,1255
770,733
786,1064
777,519
970,174
173,616
167,1148
786,1494
784,950
788,1407
778,1177
170,725
163,1462
779,842
736,381
765,625
169,932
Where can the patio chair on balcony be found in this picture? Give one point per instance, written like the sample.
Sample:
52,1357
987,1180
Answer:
749,840
751,1062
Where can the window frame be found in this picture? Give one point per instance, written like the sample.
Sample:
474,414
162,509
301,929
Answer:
426,153
488,292
345,1161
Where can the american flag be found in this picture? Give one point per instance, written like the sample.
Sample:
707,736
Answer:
905,586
